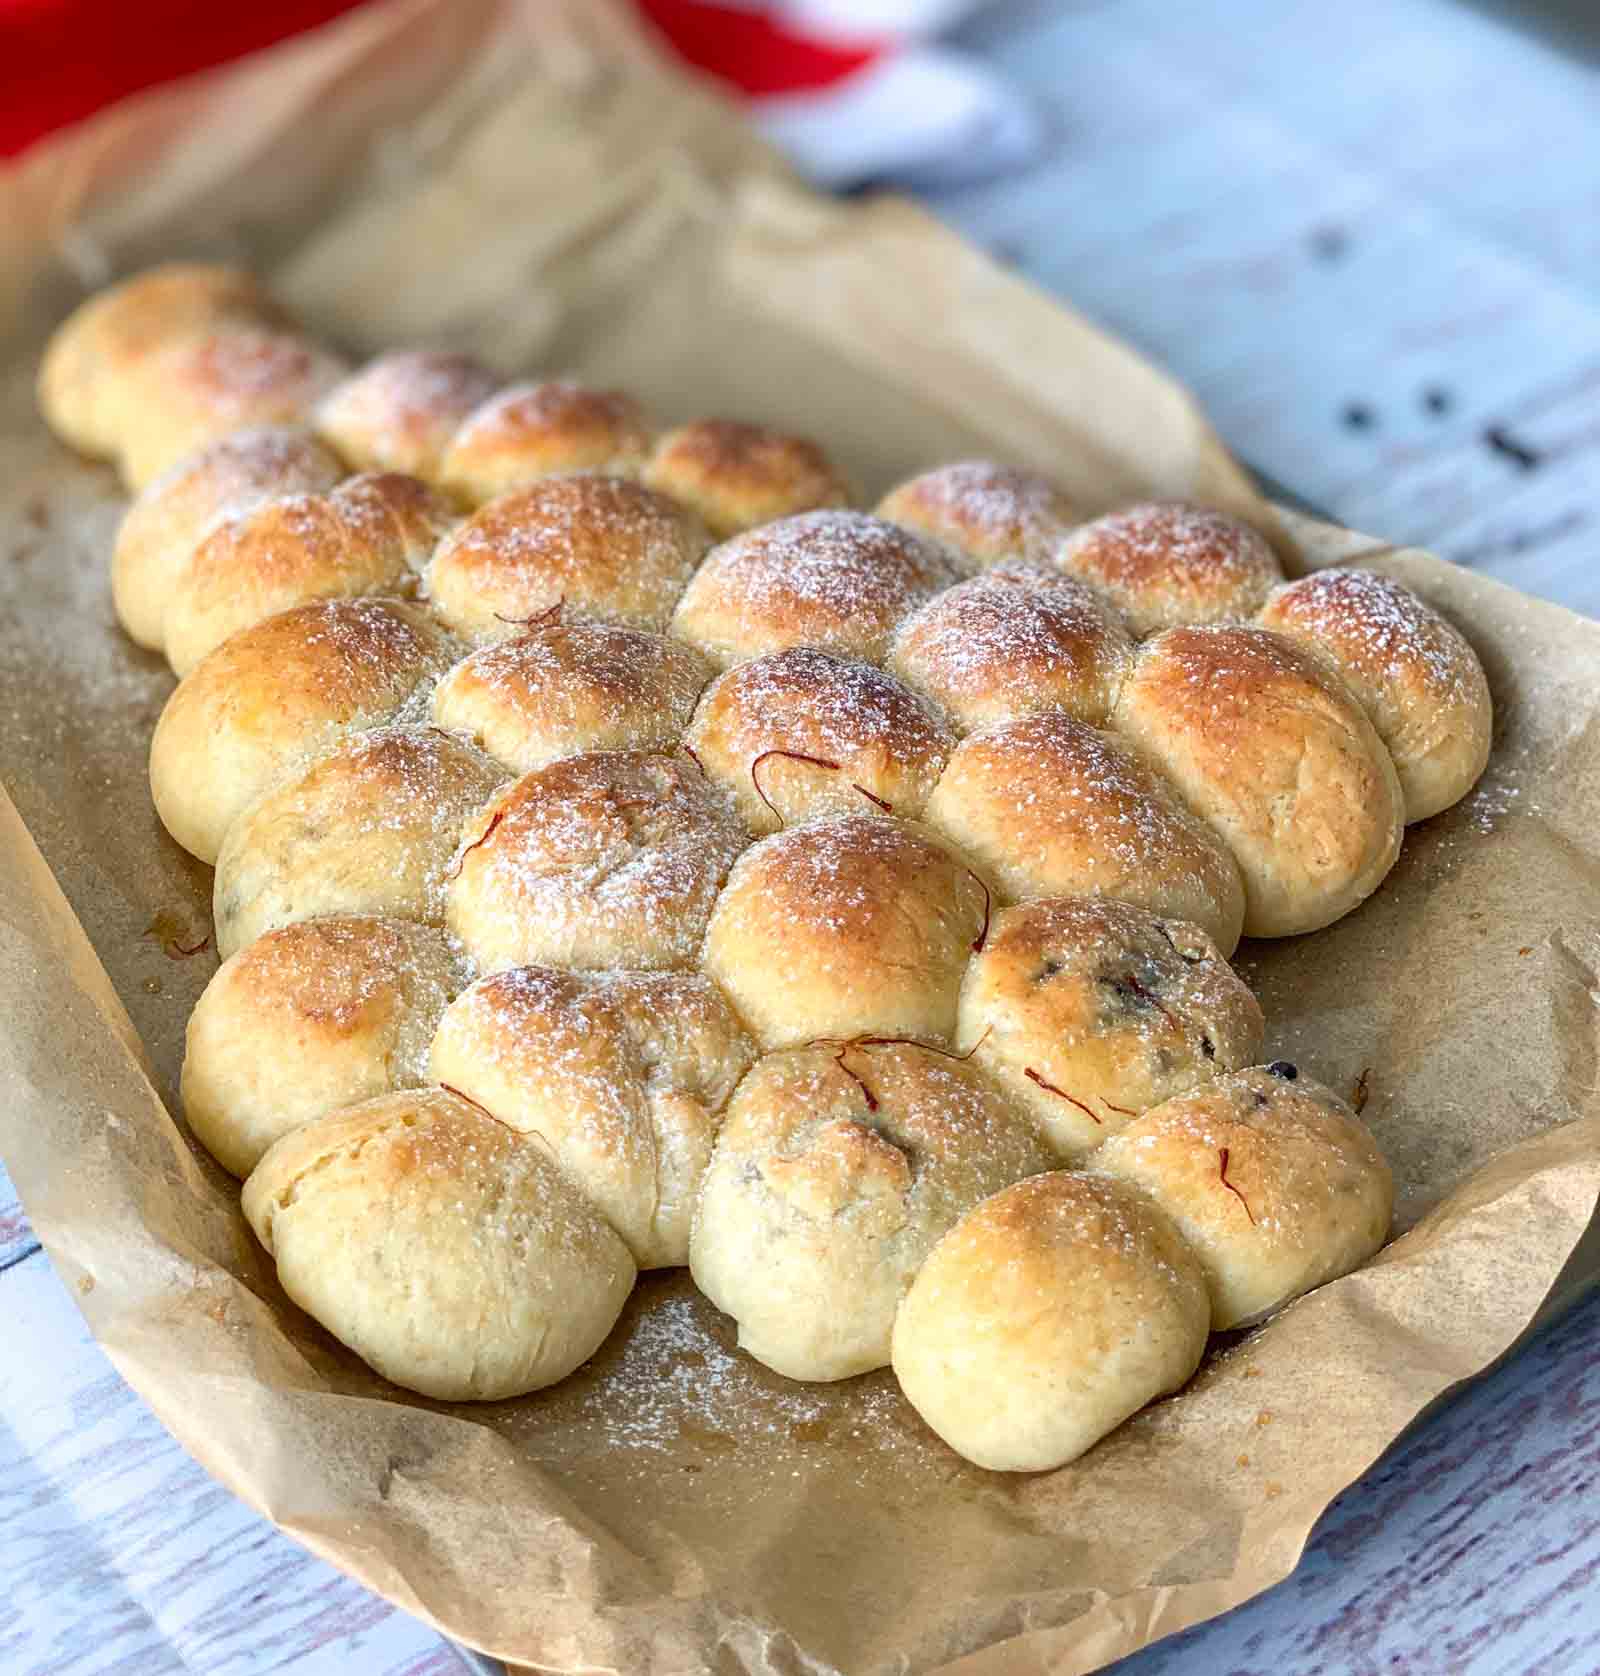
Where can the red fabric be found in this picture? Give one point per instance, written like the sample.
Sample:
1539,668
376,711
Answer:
64,59
751,51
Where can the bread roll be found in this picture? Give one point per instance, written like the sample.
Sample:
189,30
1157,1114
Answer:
623,1076
197,388
1050,807
858,925
1014,642
1417,678
1168,563
1264,740
276,694
984,512
307,1019
1089,1011
836,1170
609,859
368,829
803,733
840,581
1045,1318
371,535
226,478
561,688
595,546
736,476
530,431
400,411
1274,1181
447,1252
84,379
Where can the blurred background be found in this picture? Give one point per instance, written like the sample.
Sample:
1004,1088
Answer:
1366,235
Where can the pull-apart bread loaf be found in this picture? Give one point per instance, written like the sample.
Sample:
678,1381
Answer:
629,854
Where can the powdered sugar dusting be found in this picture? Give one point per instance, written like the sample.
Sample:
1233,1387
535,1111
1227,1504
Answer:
561,688
984,511
602,860
881,735
1167,562
1377,628
834,579
990,650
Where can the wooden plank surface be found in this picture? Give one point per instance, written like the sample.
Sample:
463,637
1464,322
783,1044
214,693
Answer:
1368,235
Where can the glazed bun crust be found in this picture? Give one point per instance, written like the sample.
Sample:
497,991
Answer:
1276,1185
167,521
1050,807
399,412
1047,1316
196,389
85,377
1265,741
1414,673
563,688
370,535
450,1254
1017,641
836,1171
370,828
840,581
623,1076
803,733
984,513
599,547
736,476
1089,1011
277,694
856,925
351,1004
606,860
1167,563
529,431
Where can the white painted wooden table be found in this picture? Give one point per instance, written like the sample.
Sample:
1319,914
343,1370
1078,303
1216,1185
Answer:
1368,234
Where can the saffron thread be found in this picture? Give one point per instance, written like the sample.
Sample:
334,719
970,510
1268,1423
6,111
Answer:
1222,1172
453,871
1050,1088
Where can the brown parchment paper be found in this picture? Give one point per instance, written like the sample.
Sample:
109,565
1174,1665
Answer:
530,183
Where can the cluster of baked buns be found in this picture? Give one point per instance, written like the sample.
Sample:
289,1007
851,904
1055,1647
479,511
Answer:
628,855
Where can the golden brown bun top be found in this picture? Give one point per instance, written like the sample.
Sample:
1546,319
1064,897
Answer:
736,475
600,1038
597,807
232,368
106,336
330,658
1285,1150
1230,681
1415,674
986,512
333,974
1012,641
1106,964
1166,563
837,579
844,1124
260,461
1014,1240
801,725
533,430
400,410
579,540
296,537
1375,626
